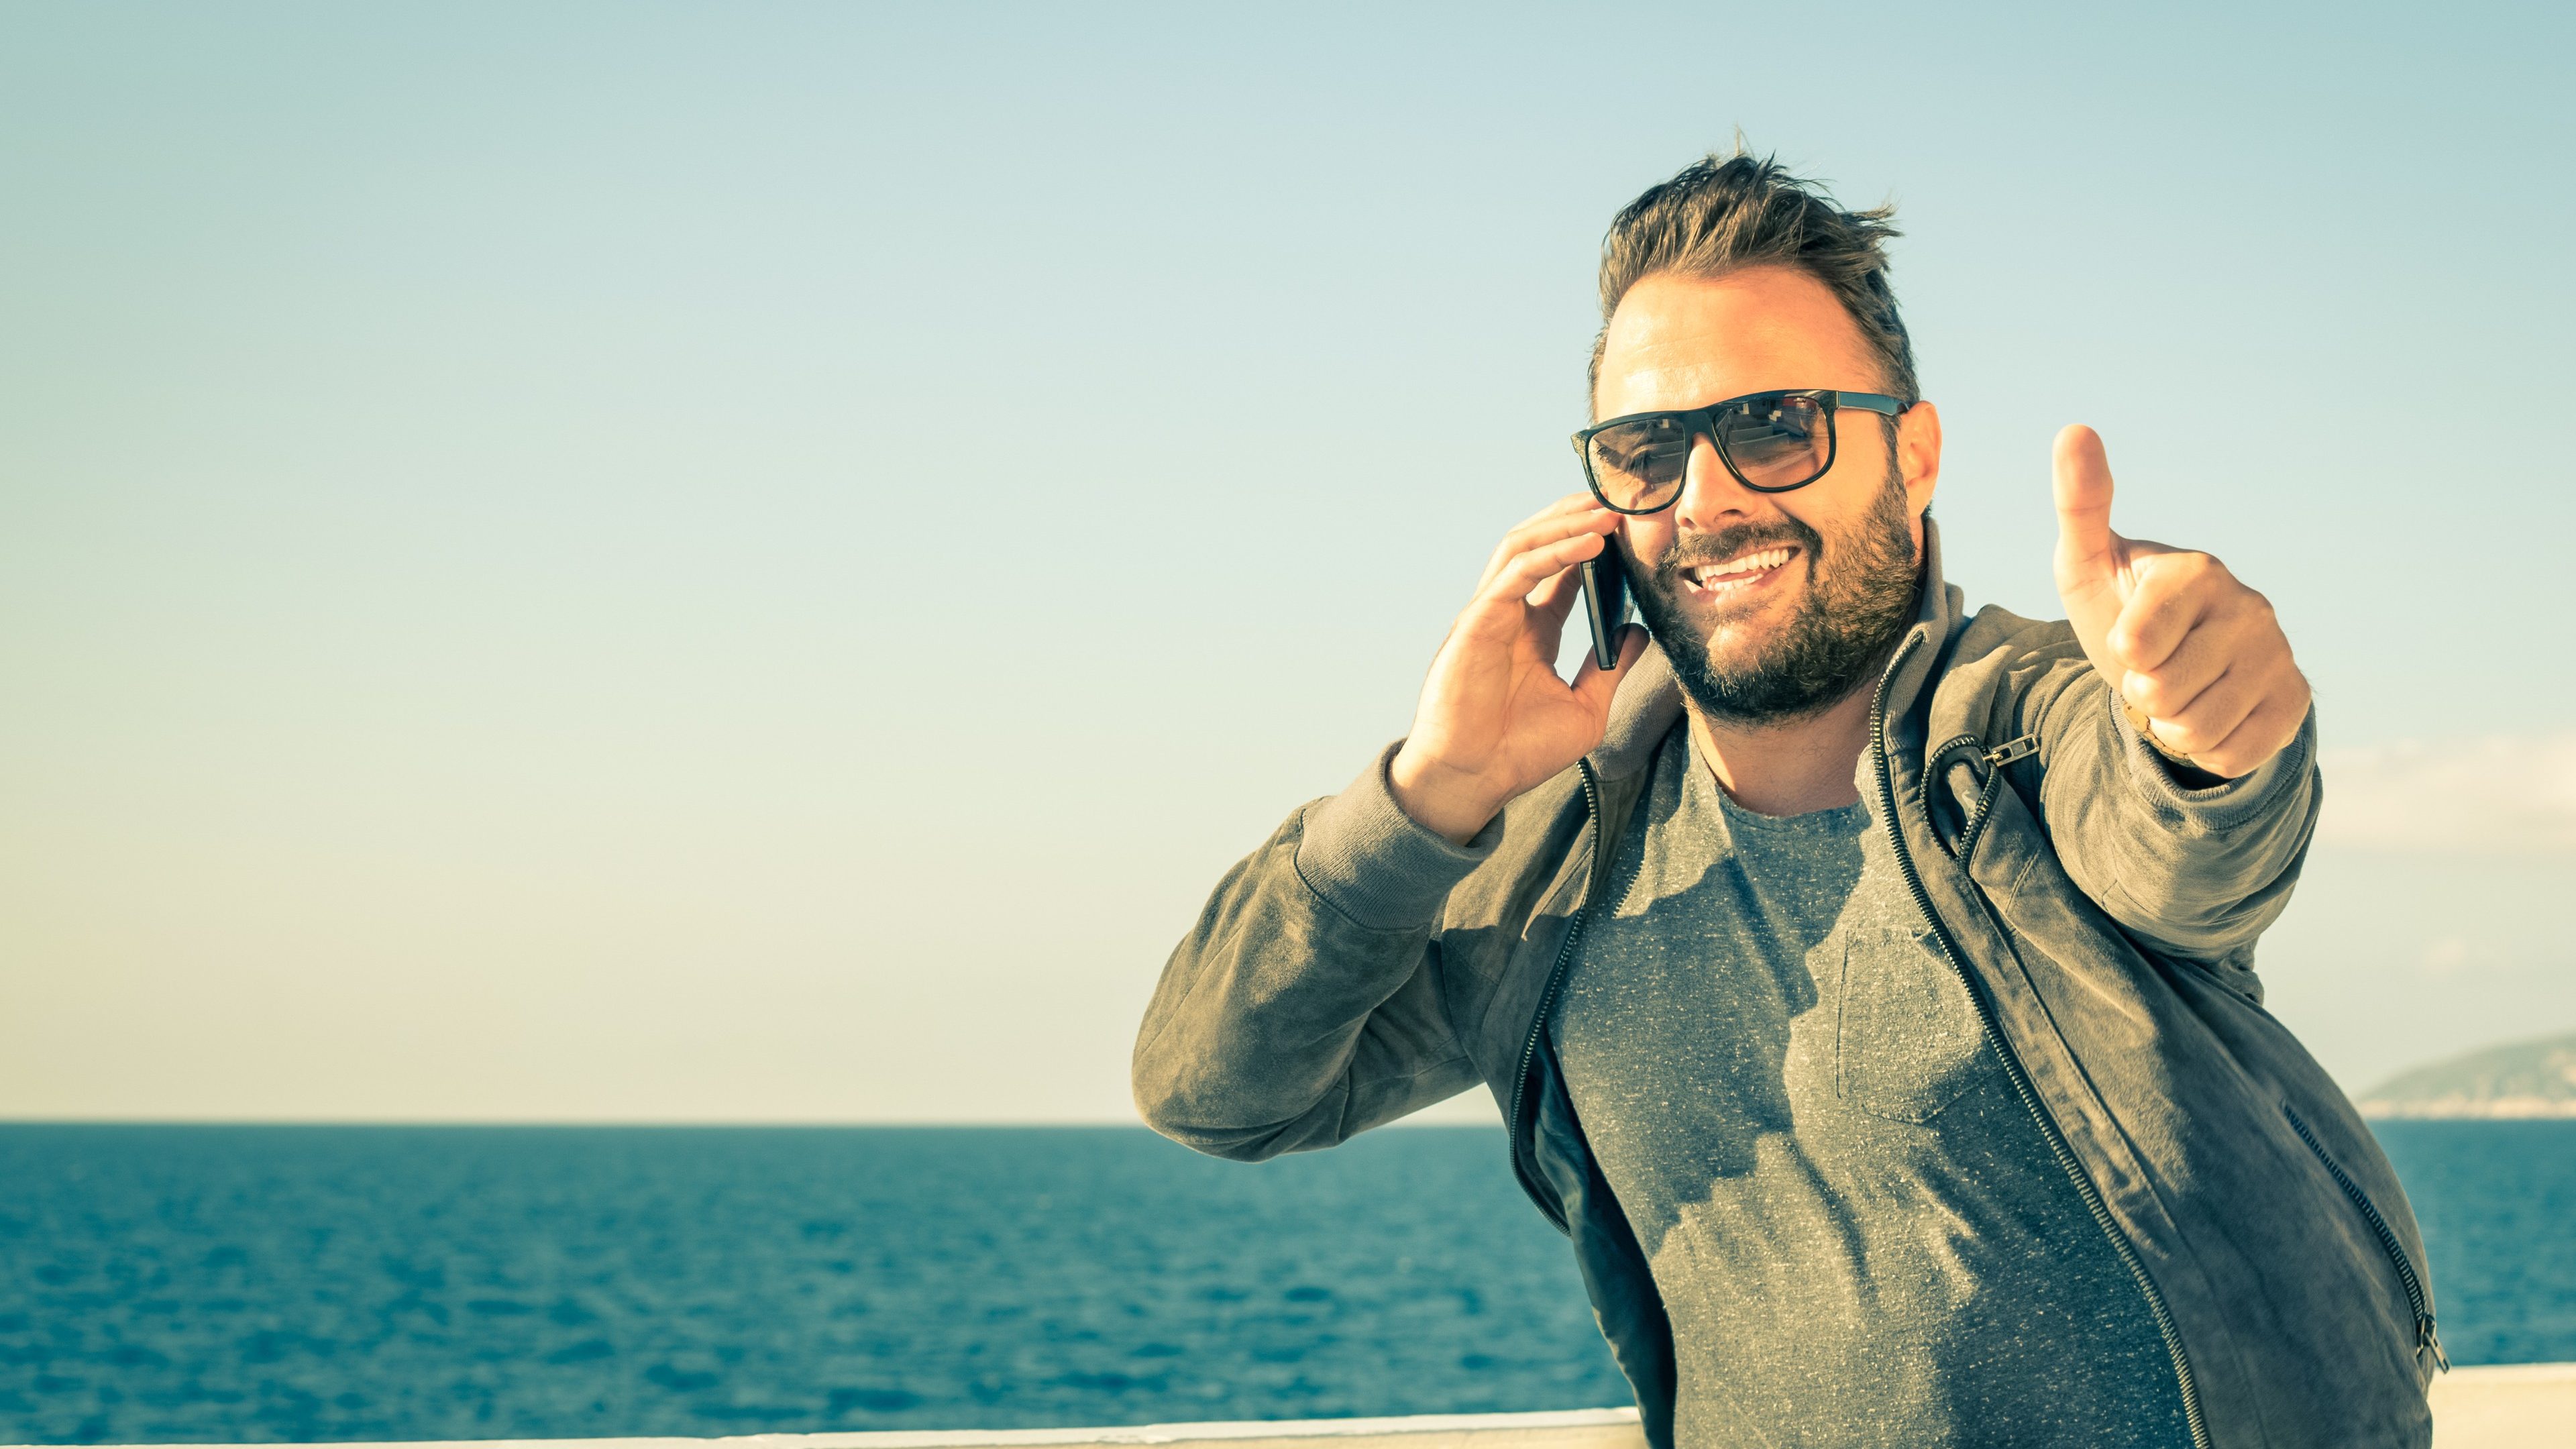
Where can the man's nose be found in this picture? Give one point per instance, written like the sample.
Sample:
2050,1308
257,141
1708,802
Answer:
1712,496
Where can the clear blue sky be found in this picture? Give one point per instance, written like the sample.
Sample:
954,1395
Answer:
695,562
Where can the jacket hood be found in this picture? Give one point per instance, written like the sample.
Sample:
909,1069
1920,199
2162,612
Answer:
1649,700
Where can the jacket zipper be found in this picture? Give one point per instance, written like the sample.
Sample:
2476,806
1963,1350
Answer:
2013,1069
2426,1340
2001,755
1564,953
1996,758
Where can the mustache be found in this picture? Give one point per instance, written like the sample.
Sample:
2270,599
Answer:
1708,548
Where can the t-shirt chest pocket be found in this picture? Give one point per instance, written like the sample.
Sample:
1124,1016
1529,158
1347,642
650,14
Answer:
1908,1041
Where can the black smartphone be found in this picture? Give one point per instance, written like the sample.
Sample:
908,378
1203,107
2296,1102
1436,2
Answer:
1605,600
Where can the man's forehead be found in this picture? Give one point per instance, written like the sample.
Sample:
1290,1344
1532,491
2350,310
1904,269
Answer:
1678,342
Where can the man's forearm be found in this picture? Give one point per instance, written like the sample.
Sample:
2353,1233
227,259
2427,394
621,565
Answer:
1305,1004
2197,869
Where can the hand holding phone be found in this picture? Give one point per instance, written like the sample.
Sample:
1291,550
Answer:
1495,719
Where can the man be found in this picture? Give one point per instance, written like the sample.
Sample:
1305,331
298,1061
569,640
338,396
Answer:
1867,985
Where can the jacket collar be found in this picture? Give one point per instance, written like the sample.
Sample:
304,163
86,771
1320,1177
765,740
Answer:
1649,700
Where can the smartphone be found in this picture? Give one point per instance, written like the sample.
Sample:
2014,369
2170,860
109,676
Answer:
1605,600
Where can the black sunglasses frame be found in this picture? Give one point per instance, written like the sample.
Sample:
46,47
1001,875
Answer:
1702,422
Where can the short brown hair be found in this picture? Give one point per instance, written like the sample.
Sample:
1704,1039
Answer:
1723,213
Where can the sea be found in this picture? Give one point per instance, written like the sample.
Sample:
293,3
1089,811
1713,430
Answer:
241,1284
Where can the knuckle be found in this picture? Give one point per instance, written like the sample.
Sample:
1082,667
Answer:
2191,736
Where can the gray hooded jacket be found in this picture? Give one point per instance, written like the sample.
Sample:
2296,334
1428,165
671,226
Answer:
1357,967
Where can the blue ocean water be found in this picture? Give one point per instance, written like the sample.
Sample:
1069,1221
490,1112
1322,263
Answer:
244,1284
306,1283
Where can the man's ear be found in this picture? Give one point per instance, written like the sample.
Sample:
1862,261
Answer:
1918,454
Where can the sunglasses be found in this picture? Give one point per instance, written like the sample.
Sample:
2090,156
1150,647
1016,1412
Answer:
1771,441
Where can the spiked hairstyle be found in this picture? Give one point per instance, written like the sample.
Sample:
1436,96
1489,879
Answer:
1724,213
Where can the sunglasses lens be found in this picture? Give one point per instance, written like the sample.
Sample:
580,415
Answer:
1775,442
1639,465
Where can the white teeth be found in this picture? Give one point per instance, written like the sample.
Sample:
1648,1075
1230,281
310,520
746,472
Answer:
1750,563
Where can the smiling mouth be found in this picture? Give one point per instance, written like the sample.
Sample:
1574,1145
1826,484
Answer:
1737,576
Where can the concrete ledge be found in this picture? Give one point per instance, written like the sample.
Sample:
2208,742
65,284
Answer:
2498,1406
1569,1429
2505,1406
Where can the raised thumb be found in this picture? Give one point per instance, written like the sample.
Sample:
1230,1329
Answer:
2083,488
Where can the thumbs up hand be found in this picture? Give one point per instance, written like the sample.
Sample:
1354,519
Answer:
2196,653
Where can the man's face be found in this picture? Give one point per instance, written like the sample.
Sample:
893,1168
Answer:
1786,640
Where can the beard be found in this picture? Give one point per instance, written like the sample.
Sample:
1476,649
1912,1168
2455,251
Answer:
1858,602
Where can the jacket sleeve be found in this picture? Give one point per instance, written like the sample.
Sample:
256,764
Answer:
2196,873
1305,1005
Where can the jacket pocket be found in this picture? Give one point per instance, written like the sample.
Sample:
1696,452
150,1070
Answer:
1907,1039
2418,1302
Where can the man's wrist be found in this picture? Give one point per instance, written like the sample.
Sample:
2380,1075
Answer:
1363,855
1449,814
2187,772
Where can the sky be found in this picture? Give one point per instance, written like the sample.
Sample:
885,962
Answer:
699,563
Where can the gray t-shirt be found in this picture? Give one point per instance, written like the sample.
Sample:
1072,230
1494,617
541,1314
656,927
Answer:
1857,1229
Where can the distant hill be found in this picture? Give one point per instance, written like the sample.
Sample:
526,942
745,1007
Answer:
2521,1079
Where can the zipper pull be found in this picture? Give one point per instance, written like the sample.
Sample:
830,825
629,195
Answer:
2011,750
2426,1338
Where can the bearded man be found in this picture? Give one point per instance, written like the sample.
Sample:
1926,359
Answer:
1867,985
